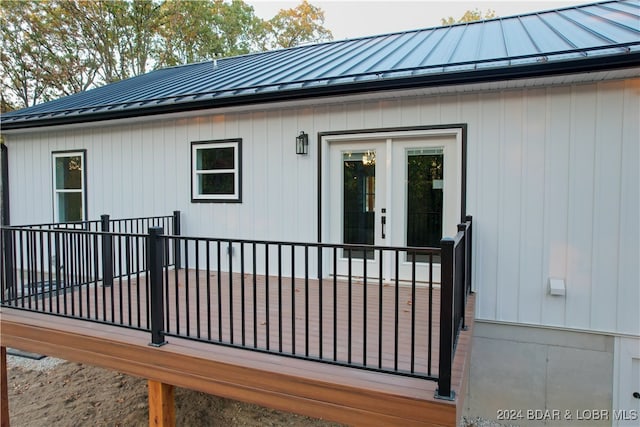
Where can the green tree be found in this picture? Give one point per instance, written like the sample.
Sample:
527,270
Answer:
192,31
60,47
5,105
186,32
469,16
291,27
140,25
51,48
239,28
121,35
65,62
22,77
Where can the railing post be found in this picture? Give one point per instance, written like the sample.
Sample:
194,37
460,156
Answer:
177,256
7,237
444,391
107,252
155,251
469,260
58,261
461,291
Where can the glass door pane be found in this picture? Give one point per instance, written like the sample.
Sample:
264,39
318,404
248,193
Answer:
359,193
425,184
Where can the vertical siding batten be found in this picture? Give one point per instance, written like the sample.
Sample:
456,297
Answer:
489,230
531,277
556,190
510,182
607,193
502,283
558,193
580,207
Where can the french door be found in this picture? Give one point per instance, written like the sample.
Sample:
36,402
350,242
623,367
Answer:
400,191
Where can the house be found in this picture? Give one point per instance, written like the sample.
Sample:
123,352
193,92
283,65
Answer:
529,124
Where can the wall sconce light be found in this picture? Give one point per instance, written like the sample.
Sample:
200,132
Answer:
302,143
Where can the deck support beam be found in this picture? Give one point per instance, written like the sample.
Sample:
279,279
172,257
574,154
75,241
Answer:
162,412
4,389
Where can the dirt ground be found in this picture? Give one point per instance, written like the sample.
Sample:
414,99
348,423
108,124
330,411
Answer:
71,394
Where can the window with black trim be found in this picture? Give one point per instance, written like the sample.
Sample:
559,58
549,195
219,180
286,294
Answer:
216,171
69,186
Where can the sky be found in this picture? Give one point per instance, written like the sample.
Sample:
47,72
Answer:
358,18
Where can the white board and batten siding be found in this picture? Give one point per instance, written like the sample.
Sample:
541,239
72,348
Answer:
552,179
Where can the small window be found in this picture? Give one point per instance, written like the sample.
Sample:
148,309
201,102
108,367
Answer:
215,167
69,176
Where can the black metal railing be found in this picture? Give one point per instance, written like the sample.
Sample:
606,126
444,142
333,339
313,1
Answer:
64,272
314,301
456,286
379,308
136,225
64,269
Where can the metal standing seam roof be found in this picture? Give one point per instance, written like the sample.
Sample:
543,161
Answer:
591,37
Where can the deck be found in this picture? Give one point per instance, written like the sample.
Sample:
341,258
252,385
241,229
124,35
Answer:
309,328
266,314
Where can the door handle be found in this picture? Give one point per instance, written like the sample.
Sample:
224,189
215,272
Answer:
383,223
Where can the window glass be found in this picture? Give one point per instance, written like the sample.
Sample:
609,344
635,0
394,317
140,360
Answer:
216,158
68,173
68,187
220,183
216,171
69,207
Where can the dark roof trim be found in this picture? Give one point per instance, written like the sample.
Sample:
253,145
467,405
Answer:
541,69
541,57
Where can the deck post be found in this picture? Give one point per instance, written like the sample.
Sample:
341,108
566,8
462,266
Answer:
162,411
469,245
9,292
155,251
4,389
107,252
461,291
446,320
177,256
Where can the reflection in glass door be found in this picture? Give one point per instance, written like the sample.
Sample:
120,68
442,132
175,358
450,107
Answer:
359,198
357,179
425,184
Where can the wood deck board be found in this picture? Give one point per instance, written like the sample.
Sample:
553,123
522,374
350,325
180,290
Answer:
338,393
